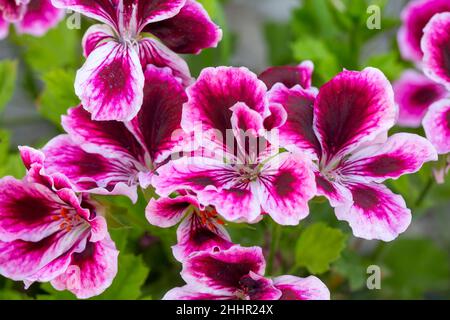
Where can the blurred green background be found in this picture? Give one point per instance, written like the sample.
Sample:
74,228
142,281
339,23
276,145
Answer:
257,33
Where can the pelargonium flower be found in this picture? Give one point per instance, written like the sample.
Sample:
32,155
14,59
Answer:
33,17
238,274
437,125
414,93
415,17
200,230
110,84
245,176
49,233
114,157
290,76
345,129
436,48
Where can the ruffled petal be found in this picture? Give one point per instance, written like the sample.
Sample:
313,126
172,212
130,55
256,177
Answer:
415,17
102,10
39,17
403,153
167,212
189,31
110,84
91,271
377,213
297,134
190,293
333,191
437,125
287,184
295,288
13,10
95,36
353,108
436,48
289,76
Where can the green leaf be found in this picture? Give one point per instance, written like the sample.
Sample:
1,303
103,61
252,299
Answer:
10,163
414,267
278,37
58,94
318,246
352,267
8,75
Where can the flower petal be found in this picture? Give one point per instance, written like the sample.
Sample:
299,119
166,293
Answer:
353,108
189,31
167,212
436,48
377,213
110,83
437,125
219,272
157,125
95,36
415,16
287,184
402,153
289,76
102,10
91,271
333,191
4,28
13,10
295,288
190,293
414,93
39,17
297,134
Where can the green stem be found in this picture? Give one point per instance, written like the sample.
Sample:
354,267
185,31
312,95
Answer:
424,192
274,243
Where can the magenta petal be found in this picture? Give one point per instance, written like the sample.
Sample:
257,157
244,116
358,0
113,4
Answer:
153,52
197,234
414,93
191,293
289,76
39,17
333,191
278,117
91,271
297,134
377,213
437,125
102,10
13,10
220,272
353,108
167,212
110,83
4,28
415,17
402,153
287,184
436,48
95,36
157,125
295,288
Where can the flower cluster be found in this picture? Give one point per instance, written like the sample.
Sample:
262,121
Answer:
229,146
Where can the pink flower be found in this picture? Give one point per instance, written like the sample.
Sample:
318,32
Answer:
344,129
33,17
49,233
414,93
290,76
110,157
415,17
437,125
238,273
244,176
110,84
200,230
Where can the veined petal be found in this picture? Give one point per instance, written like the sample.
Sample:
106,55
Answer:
90,172
353,108
220,272
256,287
154,52
110,84
157,125
289,76
436,48
188,292
95,36
437,125
13,10
91,271
197,233
167,212
295,288
189,31
414,93
297,134
287,184
377,213
337,194
40,16
4,28
402,153
415,17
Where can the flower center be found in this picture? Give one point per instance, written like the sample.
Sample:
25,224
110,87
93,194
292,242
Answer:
248,288
207,218
68,219
248,173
